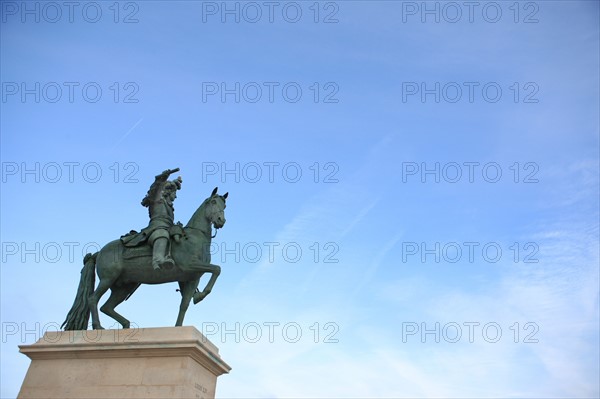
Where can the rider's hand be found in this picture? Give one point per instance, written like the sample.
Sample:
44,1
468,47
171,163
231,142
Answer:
168,172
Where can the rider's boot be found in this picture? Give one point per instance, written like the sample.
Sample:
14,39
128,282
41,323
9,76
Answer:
158,254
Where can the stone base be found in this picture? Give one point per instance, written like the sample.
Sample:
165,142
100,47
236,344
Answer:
172,362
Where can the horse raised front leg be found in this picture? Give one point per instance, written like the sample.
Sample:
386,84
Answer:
187,290
214,273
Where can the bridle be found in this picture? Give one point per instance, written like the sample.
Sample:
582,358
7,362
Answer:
209,233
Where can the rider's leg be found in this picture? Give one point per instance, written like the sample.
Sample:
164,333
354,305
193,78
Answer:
160,241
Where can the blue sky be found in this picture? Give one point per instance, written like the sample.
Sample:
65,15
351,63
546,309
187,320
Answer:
343,179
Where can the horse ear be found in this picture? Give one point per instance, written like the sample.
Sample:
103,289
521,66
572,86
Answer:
214,192
225,195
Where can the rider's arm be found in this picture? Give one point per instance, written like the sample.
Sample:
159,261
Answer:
156,189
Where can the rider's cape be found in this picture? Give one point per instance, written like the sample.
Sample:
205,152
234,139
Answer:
133,238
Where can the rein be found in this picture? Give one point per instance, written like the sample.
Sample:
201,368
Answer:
205,233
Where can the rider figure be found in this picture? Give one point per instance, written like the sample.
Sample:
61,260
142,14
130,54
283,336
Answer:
159,201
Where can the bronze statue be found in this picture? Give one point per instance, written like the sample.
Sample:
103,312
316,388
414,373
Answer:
159,201
149,257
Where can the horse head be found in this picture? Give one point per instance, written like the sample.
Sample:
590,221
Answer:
215,209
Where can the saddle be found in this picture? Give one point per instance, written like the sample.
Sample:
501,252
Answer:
136,245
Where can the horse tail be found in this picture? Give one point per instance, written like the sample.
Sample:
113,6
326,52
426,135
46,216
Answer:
79,315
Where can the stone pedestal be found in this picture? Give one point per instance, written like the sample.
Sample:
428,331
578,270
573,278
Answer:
173,362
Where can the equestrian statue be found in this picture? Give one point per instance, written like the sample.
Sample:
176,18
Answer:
162,252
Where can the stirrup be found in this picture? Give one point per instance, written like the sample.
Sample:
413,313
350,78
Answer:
167,263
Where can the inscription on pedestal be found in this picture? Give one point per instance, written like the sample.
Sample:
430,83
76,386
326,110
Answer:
202,391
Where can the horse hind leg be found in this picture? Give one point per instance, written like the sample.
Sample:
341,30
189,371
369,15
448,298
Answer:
117,296
103,286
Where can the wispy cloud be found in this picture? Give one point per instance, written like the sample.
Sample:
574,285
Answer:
127,134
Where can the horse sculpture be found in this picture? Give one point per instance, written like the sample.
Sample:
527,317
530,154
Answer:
123,270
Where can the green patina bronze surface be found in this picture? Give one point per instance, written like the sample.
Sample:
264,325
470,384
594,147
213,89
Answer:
160,253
